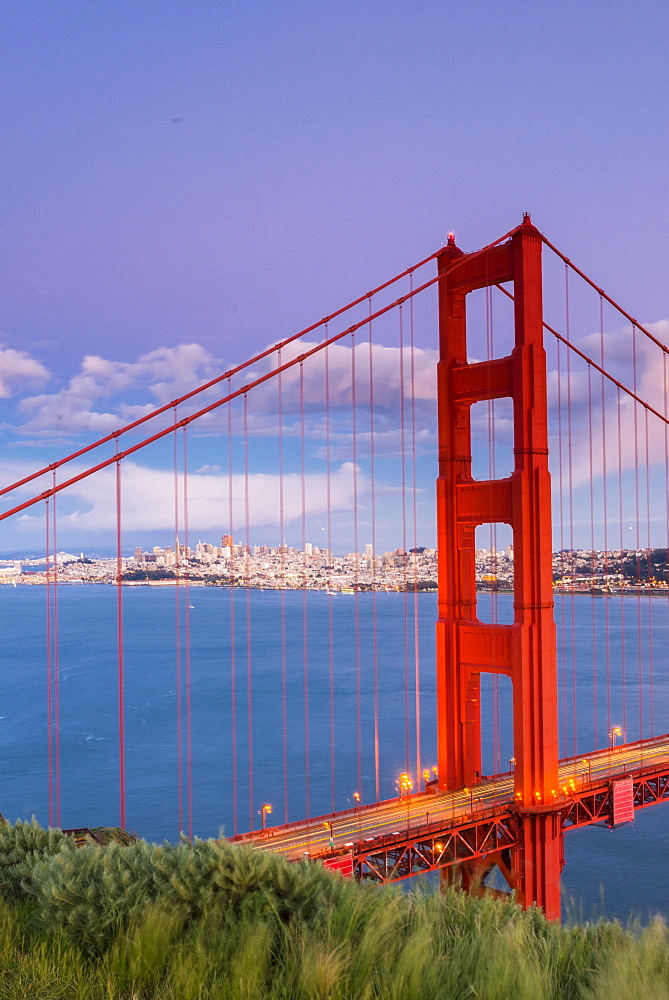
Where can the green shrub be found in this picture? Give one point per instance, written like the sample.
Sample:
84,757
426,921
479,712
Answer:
93,892
23,846
210,920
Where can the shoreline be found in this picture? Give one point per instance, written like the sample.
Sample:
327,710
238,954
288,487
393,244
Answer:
331,591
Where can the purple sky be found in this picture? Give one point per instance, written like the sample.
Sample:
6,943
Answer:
223,174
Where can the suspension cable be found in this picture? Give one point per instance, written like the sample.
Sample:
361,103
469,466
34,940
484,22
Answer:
121,682
602,293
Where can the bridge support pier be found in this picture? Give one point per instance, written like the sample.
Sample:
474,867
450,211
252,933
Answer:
538,860
524,651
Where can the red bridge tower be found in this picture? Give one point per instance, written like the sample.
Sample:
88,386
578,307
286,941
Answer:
526,650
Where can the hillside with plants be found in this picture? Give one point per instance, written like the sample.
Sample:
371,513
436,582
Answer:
209,920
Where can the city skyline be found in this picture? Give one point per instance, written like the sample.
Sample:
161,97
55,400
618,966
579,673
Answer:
283,567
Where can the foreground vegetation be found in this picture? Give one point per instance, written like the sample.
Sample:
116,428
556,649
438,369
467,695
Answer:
148,922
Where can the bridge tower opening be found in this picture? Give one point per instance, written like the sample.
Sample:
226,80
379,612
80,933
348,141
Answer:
525,650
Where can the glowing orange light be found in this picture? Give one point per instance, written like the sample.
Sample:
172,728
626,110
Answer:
265,809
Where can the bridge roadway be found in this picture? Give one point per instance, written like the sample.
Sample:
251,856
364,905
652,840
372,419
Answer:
356,830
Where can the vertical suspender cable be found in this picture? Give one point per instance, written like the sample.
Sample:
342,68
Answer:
119,619
49,661
666,471
416,633
375,636
623,637
233,664
563,648
247,585
607,602
404,543
651,716
56,664
592,562
177,632
637,538
282,600
187,651
328,507
305,622
571,516
356,556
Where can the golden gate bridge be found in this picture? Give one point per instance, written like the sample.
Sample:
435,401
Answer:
542,406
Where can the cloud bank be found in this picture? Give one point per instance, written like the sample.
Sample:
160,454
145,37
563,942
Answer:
17,368
89,508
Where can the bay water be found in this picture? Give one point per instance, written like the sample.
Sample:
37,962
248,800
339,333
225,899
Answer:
362,660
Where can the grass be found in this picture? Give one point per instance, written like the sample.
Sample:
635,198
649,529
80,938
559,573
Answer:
201,921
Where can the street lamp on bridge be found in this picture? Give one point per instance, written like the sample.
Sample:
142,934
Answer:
265,810
616,731
405,785
356,800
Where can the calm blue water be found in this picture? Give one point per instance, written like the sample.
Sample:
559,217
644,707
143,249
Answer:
615,873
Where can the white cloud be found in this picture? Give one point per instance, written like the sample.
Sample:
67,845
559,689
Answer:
88,508
604,437
391,376
17,367
322,389
104,395
130,389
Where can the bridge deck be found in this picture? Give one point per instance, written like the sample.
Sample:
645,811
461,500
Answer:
426,817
